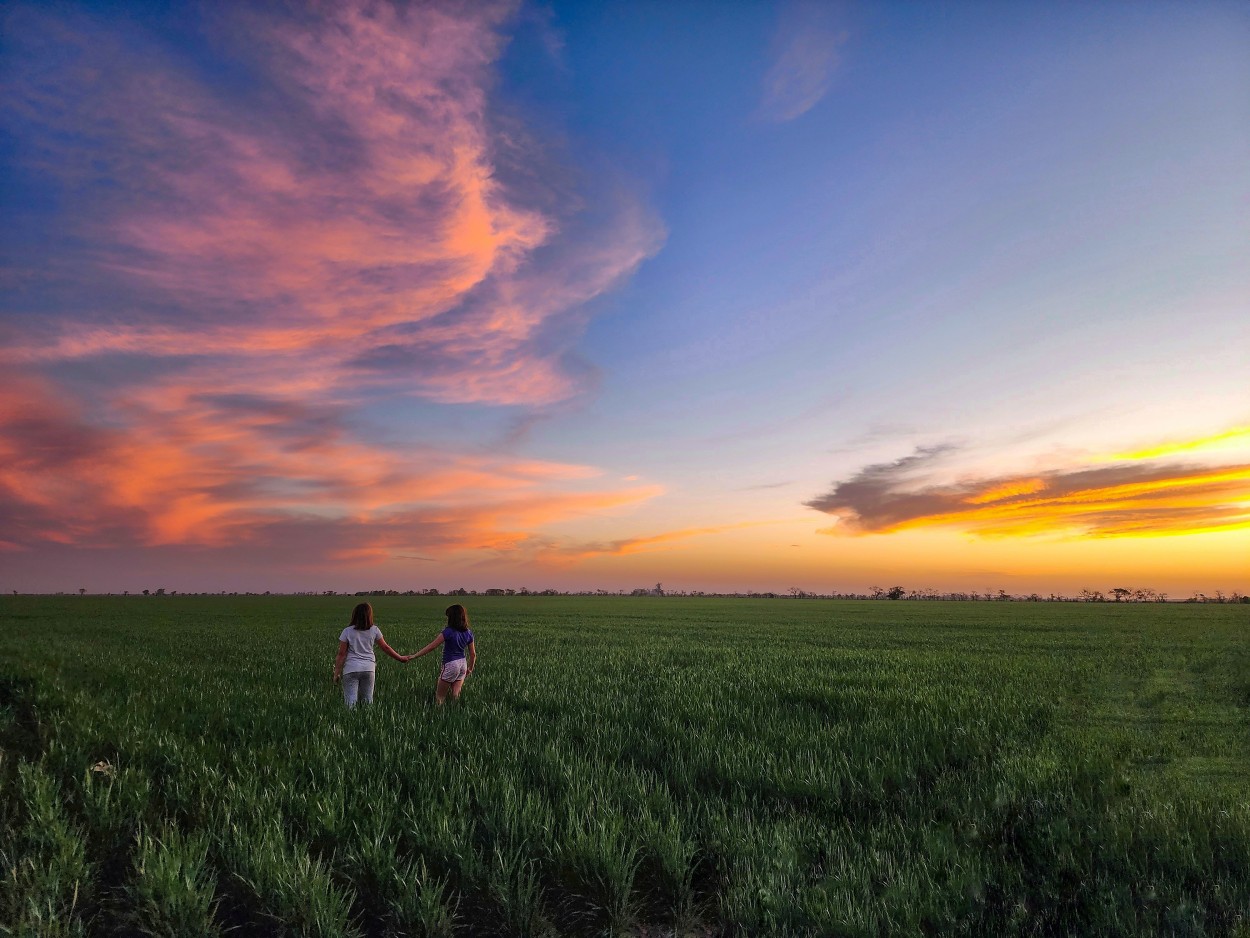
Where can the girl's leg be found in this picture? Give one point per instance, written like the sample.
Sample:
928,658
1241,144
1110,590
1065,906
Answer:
366,686
348,681
440,691
456,688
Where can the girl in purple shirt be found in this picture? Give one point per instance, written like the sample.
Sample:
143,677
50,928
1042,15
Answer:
459,653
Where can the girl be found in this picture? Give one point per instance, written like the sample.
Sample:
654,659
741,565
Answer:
355,662
457,642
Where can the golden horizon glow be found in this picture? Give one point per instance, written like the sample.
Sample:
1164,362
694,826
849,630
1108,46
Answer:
1216,442
1145,497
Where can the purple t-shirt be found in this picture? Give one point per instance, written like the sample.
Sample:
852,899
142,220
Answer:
454,643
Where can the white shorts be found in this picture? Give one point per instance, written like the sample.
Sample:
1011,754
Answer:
454,671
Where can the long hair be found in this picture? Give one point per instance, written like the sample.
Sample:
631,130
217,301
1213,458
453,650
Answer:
362,617
458,618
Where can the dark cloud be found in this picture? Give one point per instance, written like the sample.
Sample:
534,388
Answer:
1120,499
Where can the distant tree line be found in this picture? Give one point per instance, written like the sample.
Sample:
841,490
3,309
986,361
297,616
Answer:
1119,594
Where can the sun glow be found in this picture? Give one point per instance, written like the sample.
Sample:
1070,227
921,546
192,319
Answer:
1230,441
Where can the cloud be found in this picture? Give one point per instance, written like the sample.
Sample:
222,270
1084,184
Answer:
635,545
1237,438
1125,499
249,244
804,58
346,215
214,472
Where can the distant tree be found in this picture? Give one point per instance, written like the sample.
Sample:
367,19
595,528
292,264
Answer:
81,591
659,589
146,593
896,592
159,592
1121,594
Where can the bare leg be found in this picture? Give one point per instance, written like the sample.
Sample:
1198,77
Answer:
456,689
440,691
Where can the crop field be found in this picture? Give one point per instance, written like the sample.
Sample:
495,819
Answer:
633,766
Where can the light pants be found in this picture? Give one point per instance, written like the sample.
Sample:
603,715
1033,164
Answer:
357,683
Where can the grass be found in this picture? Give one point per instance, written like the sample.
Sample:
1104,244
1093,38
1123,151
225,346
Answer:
621,766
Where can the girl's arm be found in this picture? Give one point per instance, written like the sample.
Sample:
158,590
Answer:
381,643
339,659
430,647
471,654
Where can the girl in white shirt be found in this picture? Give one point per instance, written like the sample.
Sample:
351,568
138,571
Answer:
356,663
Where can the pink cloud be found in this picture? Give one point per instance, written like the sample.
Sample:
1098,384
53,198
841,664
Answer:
261,262
371,236
805,55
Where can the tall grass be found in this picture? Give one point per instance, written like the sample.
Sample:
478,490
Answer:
182,766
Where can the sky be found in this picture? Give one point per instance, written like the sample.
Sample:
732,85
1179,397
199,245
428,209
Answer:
727,297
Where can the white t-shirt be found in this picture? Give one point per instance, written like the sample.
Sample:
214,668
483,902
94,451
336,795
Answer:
360,648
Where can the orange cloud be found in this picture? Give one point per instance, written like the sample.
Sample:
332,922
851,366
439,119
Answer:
634,545
270,477
1123,500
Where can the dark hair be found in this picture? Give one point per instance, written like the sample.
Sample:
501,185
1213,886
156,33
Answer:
362,617
458,618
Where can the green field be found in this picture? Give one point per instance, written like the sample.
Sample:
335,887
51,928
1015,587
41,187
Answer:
629,766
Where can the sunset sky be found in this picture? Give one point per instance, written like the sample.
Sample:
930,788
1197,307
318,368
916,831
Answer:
727,296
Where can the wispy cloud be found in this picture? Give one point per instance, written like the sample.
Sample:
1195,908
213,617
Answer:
805,55
1238,438
371,237
245,261
635,545
1131,498
215,473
